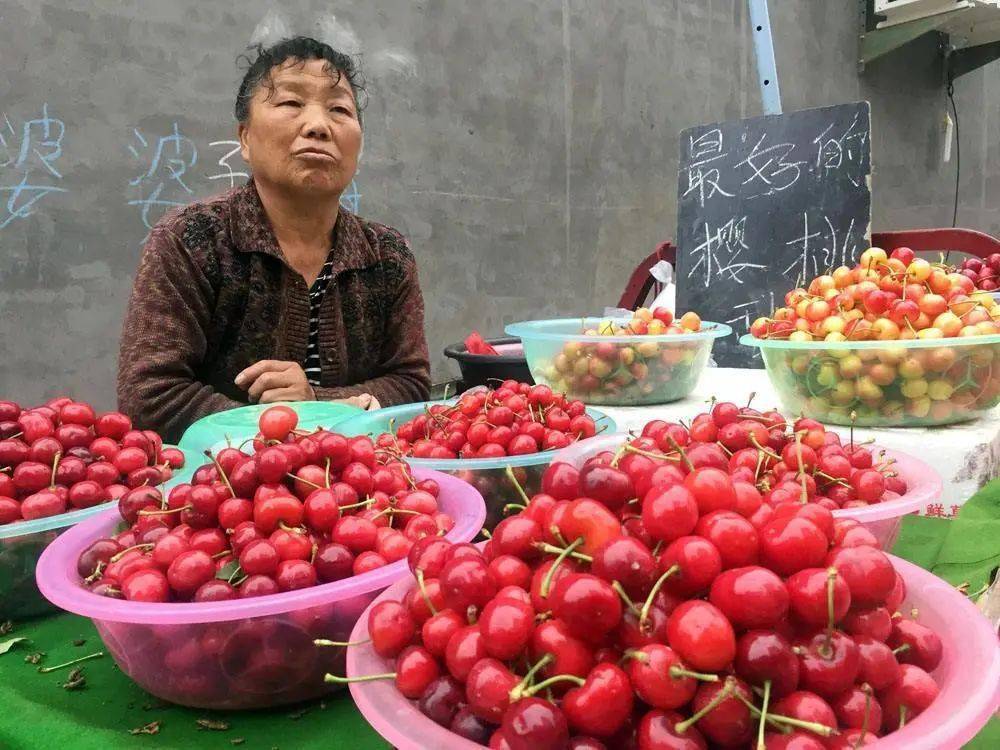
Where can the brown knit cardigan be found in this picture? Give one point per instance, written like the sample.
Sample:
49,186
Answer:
214,294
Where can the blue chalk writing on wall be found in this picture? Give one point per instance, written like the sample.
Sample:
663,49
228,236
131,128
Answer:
163,183
28,169
351,199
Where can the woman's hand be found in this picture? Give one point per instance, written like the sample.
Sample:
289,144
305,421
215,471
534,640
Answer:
365,401
271,380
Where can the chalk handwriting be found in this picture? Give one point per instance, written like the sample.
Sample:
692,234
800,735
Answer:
29,169
351,199
718,255
231,148
768,167
835,152
823,239
164,178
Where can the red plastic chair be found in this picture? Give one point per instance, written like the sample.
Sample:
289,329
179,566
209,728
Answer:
640,284
967,241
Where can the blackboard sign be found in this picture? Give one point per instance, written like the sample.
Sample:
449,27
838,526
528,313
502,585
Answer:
764,203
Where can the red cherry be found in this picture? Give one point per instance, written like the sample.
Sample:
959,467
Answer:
763,655
698,564
627,561
391,628
853,705
507,626
416,669
788,545
465,648
602,705
214,591
649,669
915,690
729,724
751,597
806,706
488,688
733,535
702,636
829,663
591,521
922,645
712,489
146,585
868,572
333,562
588,605
669,513
809,591
467,582
189,570
570,654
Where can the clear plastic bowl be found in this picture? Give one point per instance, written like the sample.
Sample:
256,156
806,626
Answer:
23,541
912,383
615,370
884,519
488,475
238,425
969,676
239,654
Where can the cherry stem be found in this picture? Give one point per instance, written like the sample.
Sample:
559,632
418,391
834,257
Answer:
509,471
649,454
723,695
362,504
578,681
325,642
820,729
798,450
763,715
753,395
513,506
766,451
396,512
554,530
832,479
619,454
623,594
419,573
326,472
854,416
46,670
648,604
902,716
292,529
831,581
553,550
55,466
901,649
366,678
516,693
550,574
867,690
120,555
676,446
222,472
145,512
679,673
304,481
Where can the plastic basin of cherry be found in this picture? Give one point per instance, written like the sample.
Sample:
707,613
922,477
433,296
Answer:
881,519
22,542
969,676
487,475
615,370
238,654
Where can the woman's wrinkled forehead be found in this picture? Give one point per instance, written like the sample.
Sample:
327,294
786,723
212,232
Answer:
314,75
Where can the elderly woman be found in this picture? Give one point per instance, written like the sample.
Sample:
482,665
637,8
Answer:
272,291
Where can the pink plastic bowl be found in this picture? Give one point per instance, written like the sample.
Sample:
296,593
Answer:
969,676
245,653
882,519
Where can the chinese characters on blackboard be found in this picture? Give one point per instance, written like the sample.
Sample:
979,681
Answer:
764,203
29,164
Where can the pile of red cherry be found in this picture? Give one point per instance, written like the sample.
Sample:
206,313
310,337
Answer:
62,456
513,420
985,273
765,457
303,509
691,619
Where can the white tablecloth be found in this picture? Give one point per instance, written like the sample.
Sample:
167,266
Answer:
967,455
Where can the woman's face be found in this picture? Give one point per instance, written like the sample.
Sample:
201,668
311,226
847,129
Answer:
303,131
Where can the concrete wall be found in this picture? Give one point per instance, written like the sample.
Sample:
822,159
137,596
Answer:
531,158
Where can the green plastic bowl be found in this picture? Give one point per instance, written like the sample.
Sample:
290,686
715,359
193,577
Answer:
909,383
488,475
23,541
237,425
615,370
